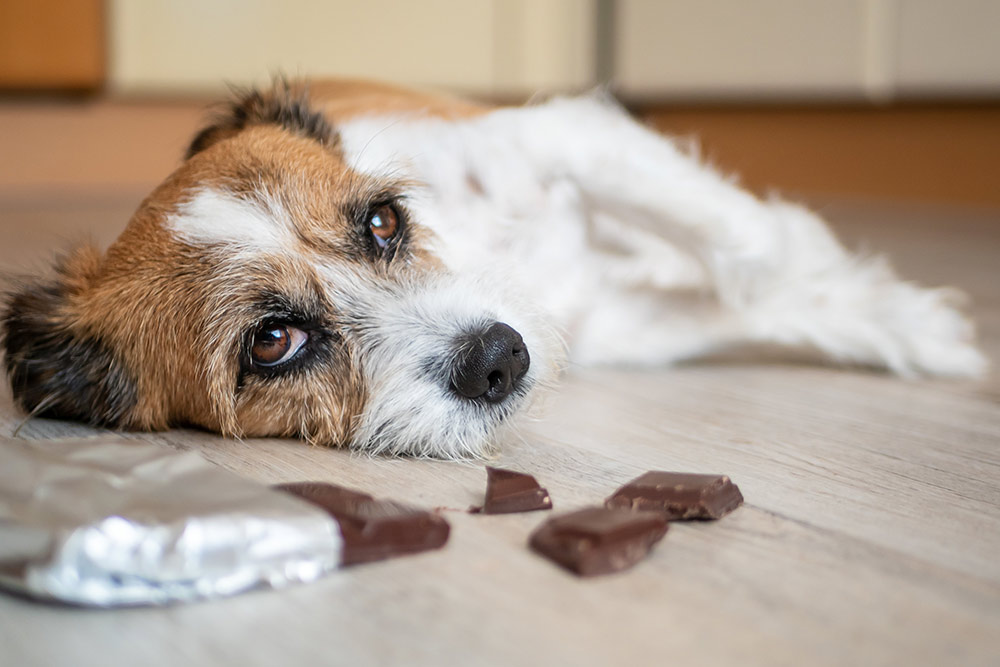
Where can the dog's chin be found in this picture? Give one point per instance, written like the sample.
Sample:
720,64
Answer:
452,428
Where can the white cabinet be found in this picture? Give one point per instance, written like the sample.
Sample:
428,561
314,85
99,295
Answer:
650,49
682,48
806,49
948,47
496,47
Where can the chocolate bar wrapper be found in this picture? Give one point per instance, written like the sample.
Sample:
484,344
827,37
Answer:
109,522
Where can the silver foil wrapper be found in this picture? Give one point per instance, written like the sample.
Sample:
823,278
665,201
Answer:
107,521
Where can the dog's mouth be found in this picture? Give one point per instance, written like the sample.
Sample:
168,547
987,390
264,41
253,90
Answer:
467,429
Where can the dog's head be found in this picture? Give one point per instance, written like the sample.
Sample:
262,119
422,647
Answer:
267,289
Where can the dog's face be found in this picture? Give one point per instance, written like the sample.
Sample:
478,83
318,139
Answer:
266,289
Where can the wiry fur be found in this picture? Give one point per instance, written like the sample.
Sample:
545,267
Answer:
566,219
283,106
57,366
407,336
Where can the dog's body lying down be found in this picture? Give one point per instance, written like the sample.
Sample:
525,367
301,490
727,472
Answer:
399,272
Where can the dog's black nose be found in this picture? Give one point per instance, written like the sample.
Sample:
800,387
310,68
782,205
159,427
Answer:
490,363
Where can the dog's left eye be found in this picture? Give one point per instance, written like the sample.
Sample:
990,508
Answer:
384,224
274,344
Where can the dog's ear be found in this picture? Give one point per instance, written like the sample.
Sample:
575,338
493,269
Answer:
56,368
282,105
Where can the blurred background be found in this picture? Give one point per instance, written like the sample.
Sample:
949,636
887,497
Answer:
893,100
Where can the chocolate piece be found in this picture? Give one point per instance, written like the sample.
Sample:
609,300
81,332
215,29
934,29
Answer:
679,495
373,529
598,540
508,491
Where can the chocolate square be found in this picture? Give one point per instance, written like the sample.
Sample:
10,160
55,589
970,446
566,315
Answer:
679,495
597,540
508,491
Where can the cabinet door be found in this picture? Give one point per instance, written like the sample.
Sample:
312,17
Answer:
51,44
493,47
806,49
734,49
948,48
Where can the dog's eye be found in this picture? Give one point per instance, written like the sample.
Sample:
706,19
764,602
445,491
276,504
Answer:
275,344
383,223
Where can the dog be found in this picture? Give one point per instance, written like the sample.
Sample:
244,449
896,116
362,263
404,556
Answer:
362,265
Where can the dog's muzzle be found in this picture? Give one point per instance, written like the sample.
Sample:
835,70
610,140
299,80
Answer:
489,363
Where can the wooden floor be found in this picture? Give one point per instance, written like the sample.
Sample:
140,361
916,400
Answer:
870,534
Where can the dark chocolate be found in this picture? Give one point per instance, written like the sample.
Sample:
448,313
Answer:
373,529
508,491
597,540
679,495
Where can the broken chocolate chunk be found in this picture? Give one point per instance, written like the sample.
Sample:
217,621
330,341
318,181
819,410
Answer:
373,529
508,491
597,540
679,495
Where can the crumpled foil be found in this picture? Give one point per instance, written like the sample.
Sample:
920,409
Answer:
107,521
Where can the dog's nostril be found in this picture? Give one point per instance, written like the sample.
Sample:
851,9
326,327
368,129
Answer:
496,378
490,363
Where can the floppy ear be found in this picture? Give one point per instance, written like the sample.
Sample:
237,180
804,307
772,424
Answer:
282,105
55,367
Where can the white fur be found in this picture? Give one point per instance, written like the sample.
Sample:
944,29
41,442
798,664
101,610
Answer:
640,254
405,334
216,217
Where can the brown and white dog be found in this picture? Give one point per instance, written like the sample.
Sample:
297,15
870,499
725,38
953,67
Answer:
400,272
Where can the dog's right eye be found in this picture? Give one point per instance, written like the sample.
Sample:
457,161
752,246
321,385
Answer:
274,344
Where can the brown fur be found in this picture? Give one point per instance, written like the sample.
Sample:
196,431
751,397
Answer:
341,99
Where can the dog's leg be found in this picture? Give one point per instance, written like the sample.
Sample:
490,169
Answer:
773,270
